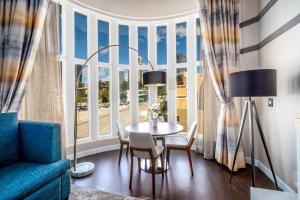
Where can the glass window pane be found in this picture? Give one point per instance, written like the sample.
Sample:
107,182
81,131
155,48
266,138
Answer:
103,100
162,99
60,29
181,99
161,42
80,36
143,98
124,107
200,98
124,41
103,41
198,38
82,102
181,43
143,45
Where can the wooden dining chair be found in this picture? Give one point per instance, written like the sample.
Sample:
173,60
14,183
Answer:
142,146
182,144
123,138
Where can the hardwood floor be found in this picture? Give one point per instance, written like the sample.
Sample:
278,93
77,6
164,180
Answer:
210,181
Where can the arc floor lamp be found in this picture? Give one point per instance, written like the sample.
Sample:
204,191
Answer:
151,78
253,83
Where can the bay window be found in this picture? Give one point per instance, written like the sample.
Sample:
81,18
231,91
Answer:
105,85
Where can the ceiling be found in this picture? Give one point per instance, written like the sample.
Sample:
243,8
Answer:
142,9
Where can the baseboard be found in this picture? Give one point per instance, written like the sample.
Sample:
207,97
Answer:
281,184
94,151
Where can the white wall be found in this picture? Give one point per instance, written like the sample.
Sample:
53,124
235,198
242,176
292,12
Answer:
282,54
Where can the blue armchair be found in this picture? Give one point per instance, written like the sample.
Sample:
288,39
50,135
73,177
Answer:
31,166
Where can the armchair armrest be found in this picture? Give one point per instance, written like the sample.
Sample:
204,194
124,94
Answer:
40,141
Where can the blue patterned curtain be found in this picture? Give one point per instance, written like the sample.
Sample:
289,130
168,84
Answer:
219,22
20,31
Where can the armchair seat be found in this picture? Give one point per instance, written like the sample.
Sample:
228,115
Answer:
21,179
177,141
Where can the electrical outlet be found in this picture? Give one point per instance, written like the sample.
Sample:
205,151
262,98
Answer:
270,102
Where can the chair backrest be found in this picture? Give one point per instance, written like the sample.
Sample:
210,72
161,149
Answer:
191,133
9,139
141,142
121,130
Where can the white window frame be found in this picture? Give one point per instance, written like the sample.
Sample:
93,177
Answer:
68,61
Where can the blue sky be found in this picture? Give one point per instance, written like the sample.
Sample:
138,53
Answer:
103,40
123,40
198,38
161,39
181,38
103,74
80,36
143,43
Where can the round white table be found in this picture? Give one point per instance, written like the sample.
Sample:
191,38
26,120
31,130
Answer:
163,129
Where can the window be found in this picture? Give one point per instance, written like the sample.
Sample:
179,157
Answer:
103,41
143,45
198,38
181,43
60,29
103,100
124,92
80,36
181,97
82,102
200,98
162,99
143,98
161,45
124,41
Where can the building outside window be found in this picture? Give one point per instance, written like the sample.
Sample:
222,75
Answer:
143,97
104,100
124,98
82,102
181,97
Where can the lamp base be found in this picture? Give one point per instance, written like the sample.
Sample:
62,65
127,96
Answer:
83,169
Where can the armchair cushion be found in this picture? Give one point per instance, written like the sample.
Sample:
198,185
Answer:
9,139
40,142
21,179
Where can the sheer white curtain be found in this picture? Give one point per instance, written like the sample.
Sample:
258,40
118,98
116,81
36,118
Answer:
43,96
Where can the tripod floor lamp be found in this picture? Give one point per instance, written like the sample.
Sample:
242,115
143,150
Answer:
252,83
150,78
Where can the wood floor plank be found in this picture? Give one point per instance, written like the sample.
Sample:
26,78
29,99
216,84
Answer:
210,180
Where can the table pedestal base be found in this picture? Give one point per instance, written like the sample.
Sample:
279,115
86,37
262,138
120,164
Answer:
146,166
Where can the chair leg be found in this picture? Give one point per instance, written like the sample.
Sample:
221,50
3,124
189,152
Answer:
168,156
127,150
131,169
190,161
153,176
139,164
120,155
162,161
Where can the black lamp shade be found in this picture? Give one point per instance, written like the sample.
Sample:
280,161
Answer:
253,83
154,78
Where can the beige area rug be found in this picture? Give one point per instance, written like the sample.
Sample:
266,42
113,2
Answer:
84,193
